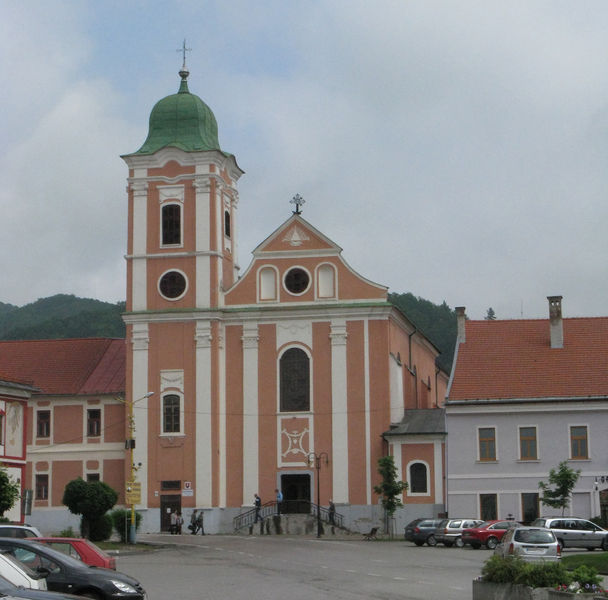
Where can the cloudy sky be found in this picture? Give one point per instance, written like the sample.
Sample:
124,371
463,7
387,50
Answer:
455,150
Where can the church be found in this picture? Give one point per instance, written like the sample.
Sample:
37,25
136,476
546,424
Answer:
238,381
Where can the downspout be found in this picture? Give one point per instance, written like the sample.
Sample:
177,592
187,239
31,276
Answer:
413,371
437,371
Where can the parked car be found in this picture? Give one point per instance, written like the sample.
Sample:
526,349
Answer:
422,531
449,531
19,531
530,543
66,574
572,532
81,549
9,589
19,574
487,534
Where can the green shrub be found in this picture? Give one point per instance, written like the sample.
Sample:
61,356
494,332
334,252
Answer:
100,529
67,533
502,570
121,518
587,576
514,570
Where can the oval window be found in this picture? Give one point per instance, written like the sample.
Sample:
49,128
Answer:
297,280
172,285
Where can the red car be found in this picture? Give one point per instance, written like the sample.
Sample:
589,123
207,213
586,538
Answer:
80,549
487,534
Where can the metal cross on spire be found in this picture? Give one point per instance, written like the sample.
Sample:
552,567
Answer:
183,50
298,201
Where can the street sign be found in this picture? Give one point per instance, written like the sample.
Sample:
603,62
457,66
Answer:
133,492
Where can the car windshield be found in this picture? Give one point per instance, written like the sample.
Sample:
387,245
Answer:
51,554
534,536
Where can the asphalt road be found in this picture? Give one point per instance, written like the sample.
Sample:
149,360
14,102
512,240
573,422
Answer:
298,568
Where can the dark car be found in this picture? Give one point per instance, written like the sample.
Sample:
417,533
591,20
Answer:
487,534
422,531
68,575
10,589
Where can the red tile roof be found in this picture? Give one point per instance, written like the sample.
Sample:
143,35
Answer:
59,367
514,359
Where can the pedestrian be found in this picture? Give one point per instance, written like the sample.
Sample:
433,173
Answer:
173,521
257,502
199,523
180,522
279,501
193,520
332,512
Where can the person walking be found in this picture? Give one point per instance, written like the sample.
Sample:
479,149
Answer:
257,502
279,501
332,515
199,523
193,520
179,523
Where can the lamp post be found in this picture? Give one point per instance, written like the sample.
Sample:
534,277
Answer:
130,445
315,460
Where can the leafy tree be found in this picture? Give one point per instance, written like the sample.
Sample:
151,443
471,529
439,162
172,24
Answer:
9,491
563,479
490,315
390,488
91,500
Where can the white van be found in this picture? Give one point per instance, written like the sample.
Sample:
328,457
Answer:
19,574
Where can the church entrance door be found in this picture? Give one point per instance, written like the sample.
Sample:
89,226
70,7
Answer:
296,493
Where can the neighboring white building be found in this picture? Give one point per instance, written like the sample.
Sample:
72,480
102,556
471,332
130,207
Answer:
525,395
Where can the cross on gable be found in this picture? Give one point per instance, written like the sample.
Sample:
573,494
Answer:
298,201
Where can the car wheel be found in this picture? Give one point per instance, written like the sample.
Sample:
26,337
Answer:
591,549
491,543
431,541
476,546
459,543
418,543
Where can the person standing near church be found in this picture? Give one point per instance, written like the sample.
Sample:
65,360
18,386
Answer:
257,502
193,519
279,501
199,523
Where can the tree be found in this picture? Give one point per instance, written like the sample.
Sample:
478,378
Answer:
490,315
90,499
390,488
10,491
563,479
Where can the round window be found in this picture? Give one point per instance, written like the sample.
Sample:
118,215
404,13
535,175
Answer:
172,285
297,280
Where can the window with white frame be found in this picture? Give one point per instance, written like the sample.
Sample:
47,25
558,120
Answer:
418,476
171,413
171,224
294,376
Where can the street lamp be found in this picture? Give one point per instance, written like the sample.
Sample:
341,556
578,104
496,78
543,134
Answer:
315,460
131,484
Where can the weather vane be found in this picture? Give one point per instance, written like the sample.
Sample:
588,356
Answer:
298,201
183,50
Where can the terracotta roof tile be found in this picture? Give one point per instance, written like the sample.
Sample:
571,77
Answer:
514,359
71,366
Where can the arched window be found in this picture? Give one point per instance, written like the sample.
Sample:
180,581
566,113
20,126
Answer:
171,421
226,223
418,478
172,225
295,380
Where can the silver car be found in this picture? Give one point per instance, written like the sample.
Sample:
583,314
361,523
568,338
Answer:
530,544
449,531
572,532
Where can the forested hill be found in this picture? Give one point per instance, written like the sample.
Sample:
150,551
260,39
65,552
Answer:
61,316
437,322
66,316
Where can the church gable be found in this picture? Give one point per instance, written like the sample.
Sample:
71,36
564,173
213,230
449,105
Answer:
296,234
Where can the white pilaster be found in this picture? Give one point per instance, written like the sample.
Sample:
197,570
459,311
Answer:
395,452
438,470
140,341
140,228
203,463
203,261
339,451
250,412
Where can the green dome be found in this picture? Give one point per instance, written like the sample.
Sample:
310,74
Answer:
183,121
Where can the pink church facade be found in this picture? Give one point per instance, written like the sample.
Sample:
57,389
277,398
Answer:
253,374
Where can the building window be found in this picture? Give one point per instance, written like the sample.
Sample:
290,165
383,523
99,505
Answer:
267,284
92,476
488,506
170,485
418,478
171,409
226,223
578,442
487,443
295,380
172,225
172,285
297,281
43,423
529,507
94,422
527,443
42,487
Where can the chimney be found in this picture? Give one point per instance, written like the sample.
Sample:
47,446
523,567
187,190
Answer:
460,321
555,321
